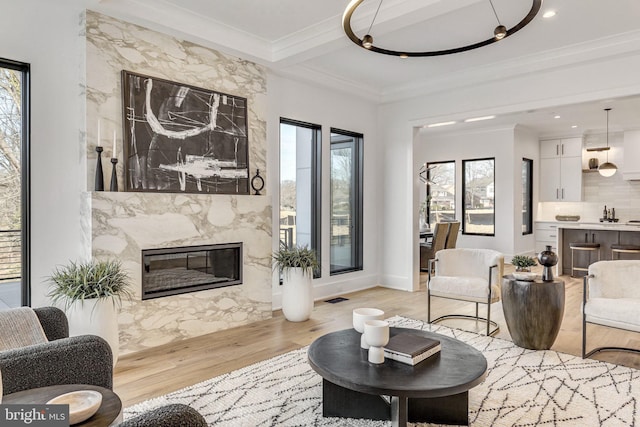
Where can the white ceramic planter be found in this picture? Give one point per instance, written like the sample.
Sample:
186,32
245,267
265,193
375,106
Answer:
297,295
96,317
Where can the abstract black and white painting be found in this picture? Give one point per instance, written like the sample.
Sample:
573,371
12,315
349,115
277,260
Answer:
180,138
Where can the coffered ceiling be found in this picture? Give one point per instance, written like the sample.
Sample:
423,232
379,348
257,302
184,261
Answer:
304,39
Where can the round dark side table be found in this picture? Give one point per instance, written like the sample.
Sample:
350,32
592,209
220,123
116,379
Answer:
533,310
109,413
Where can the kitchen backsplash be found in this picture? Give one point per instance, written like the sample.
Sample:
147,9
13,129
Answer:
597,190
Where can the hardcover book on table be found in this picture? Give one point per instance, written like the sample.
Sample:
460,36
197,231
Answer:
411,348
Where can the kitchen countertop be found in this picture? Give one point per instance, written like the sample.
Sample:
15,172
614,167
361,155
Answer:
613,226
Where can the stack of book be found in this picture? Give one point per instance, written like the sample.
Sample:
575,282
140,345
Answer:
411,348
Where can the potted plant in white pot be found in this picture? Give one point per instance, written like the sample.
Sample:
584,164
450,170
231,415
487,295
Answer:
296,265
91,293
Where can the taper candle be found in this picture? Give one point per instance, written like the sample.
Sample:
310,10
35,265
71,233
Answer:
98,141
113,154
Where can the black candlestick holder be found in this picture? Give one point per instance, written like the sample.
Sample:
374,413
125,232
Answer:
257,183
99,182
114,175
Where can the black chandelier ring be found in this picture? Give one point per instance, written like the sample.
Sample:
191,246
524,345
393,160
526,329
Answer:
346,25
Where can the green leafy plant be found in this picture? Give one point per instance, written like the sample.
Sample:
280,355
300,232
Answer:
523,261
79,281
298,256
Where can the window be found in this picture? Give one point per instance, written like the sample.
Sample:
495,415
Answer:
14,184
441,192
346,201
478,187
300,185
527,196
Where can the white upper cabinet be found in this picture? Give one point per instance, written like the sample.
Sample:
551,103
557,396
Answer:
561,170
568,147
631,164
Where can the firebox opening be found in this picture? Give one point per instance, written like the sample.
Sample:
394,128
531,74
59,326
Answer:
171,271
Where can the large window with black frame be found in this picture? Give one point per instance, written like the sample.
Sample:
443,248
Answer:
300,158
478,186
14,184
440,202
527,196
346,201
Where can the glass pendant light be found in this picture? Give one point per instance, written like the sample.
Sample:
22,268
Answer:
607,169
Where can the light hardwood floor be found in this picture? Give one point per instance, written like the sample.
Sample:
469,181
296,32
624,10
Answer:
163,369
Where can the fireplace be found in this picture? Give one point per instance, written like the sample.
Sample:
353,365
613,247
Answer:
171,271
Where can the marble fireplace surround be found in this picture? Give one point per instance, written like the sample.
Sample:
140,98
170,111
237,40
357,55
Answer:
121,224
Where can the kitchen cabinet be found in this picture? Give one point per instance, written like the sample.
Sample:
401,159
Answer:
631,164
561,170
546,234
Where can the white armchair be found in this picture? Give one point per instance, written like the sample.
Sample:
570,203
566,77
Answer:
611,298
472,275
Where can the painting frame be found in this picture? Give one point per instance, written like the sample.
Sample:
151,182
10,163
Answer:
179,138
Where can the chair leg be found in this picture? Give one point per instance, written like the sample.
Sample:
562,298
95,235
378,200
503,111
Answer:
584,334
477,316
428,304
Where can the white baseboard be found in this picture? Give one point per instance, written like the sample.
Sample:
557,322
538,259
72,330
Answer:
329,290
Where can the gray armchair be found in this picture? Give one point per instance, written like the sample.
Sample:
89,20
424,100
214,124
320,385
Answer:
173,415
85,359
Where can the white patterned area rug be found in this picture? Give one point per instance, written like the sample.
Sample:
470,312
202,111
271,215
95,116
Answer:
522,388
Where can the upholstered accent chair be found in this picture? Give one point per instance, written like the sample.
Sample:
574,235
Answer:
172,415
452,235
472,275
58,359
611,298
438,242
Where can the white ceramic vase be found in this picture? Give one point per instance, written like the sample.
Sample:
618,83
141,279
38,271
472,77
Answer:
360,315
376,333
297,295
97,316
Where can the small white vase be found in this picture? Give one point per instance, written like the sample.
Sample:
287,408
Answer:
297,295
360,315
376,333
96,316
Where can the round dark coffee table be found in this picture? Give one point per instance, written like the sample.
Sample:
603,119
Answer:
110,411
533,311
435,390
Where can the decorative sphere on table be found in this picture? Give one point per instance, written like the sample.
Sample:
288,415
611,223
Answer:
376,333
360,315
548,259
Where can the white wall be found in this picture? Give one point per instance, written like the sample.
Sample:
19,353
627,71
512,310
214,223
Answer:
46,35
593,80
496,143
300,101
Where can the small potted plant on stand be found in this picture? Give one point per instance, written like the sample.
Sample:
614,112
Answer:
91,293
296,265
523,265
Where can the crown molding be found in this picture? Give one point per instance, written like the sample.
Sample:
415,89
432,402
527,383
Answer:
568,56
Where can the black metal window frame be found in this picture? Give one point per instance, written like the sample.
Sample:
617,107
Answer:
357,238
428,165
316,187
528,195
25,70
464,193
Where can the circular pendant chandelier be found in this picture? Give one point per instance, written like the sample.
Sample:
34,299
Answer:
366,42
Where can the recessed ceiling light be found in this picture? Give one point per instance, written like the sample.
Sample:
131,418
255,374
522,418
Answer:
574,126
477,119
549,14
433,125
557,116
